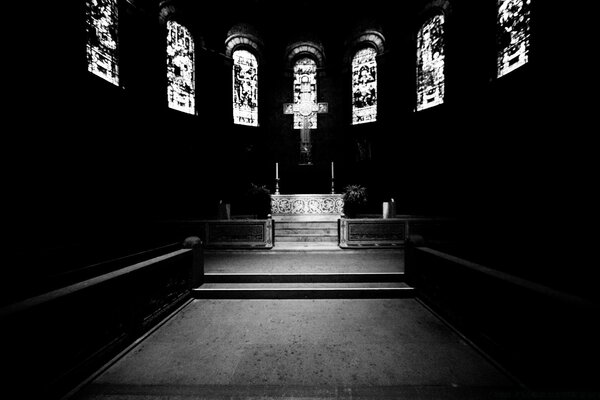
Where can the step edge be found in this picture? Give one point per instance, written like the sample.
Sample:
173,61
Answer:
300,273
301,289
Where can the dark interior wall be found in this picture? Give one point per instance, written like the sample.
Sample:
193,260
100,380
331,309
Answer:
88,159
487,154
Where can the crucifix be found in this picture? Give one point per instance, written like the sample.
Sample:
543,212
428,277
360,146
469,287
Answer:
306,108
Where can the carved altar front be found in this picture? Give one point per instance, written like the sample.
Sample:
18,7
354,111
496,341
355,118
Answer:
307,204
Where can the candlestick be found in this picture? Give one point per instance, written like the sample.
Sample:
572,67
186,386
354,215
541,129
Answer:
332,180
276,178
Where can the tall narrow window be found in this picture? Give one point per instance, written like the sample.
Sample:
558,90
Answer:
513,34
430,63
364,86
305,93
245,88
102,39
180,68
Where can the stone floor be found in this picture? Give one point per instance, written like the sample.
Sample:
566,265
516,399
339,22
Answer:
369,348
304,348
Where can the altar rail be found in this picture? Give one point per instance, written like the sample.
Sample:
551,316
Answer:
548,339
54,341
227,233
392,232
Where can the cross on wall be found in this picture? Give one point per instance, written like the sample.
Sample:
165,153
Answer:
306,109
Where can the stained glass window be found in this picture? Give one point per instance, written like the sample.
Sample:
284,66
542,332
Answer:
245,88
102,39
513,34
364,86
430,63
180,68
305,93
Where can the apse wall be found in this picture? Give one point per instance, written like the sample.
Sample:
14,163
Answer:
93,158
419,158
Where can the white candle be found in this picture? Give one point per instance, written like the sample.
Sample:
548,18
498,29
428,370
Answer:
276,170
332,170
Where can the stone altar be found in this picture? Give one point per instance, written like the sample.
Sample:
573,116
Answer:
307,204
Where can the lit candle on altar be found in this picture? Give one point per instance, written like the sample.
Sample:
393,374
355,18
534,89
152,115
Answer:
332,170
276,170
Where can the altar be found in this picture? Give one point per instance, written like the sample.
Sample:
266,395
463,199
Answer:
306,218
307,204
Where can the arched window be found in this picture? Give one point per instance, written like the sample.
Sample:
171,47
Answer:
305,92
181,92
102,39
245,88
513,34
430,63
364,86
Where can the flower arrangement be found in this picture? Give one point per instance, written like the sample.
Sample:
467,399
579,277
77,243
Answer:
355,199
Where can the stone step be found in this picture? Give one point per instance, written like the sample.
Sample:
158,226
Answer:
305,218
295,247
306,225
328,290
292,277
307,230
306,238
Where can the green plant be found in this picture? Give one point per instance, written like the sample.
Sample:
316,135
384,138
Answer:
355,199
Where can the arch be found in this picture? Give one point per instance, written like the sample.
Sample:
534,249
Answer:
244,46
181,68
304,49
102,47
361,55
167,11
367,38
433,8
513,40
244,36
